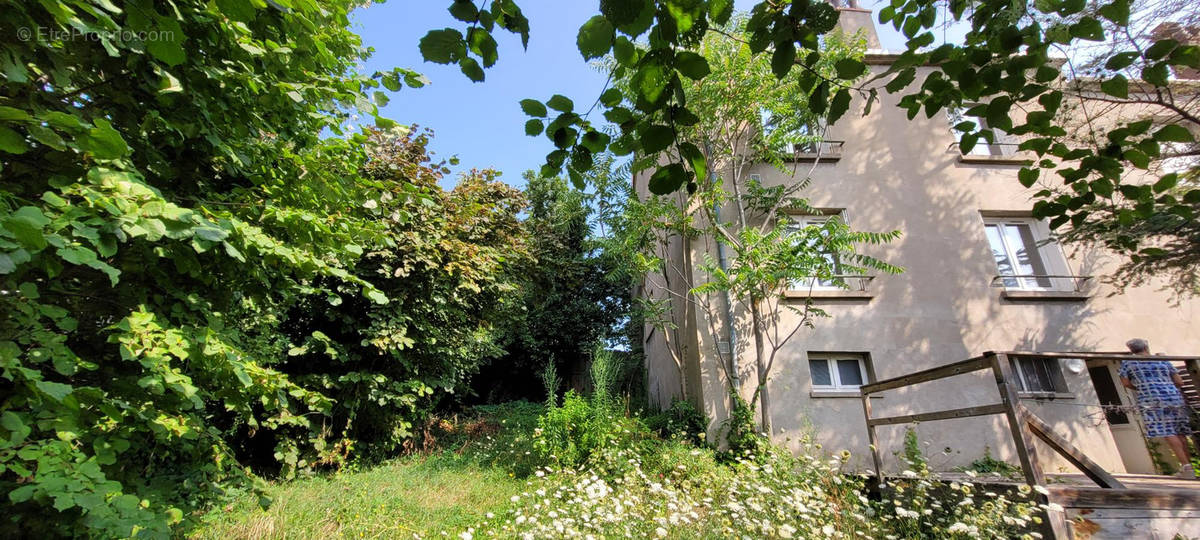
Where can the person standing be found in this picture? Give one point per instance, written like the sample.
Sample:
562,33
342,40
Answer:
1159,392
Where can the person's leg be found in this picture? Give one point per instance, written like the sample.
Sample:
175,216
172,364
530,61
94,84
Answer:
1179,447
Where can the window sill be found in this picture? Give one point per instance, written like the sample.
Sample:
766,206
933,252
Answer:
837,394
837,294
809,157
1047,296
994,159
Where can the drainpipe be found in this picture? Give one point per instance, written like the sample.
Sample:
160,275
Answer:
724,263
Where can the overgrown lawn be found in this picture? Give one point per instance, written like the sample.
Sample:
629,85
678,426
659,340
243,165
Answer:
415,495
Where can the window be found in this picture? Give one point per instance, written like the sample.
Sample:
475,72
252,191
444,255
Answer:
837,371
1024,258
795,131
982,148
799,223
1038,375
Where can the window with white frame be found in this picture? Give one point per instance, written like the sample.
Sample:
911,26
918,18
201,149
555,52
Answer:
837,371
982,148
1038,375
1026,258
799,223
803,130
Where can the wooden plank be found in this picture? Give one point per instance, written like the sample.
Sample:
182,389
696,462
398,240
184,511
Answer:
866,403
1077,458
932,374
965,412
1100,356
1142,498
1030,465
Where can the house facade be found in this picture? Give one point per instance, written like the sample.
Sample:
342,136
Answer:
980,274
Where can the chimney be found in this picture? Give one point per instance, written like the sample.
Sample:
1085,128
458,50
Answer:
852,18
1185,35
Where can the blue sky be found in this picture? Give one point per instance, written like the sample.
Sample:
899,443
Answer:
481,123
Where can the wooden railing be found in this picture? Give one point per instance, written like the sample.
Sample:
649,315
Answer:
1023,424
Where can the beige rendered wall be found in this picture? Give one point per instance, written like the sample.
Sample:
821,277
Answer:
905,175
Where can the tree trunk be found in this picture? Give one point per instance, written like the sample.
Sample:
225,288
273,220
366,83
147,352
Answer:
764,400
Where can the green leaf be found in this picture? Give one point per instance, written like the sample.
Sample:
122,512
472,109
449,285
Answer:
103,142
483,44
1168,181
16,428
839,105
611,97
595,37
657,138
1156,74
167,46
783,58
618,115
1117,12
12,142
695,157
650,84
1187,55
1117,86
10,114
595,141
819,100
667,179
471,69
1088,28
464,10
622,12
1028,176
443,46
720,11
692,65
26,225
1173,133
533,107
1160,49
849,68
624,51
56,391
1120,61
212,234
22,494
77,254
560,103
534,127
377,296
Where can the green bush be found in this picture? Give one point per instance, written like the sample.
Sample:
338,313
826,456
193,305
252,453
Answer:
681,420
568,435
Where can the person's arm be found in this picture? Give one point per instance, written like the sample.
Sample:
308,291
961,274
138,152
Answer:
1129,384
1177,379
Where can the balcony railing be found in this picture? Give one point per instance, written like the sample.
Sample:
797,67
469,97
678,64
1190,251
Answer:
814,151
1055,282
984,152
854,282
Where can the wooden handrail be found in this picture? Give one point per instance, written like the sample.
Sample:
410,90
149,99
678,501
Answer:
932,374
1024,425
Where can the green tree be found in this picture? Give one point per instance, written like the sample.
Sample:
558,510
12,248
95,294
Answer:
451,264
746,115
166,201
573,295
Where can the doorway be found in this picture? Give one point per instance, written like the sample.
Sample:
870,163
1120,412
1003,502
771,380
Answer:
1124,424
